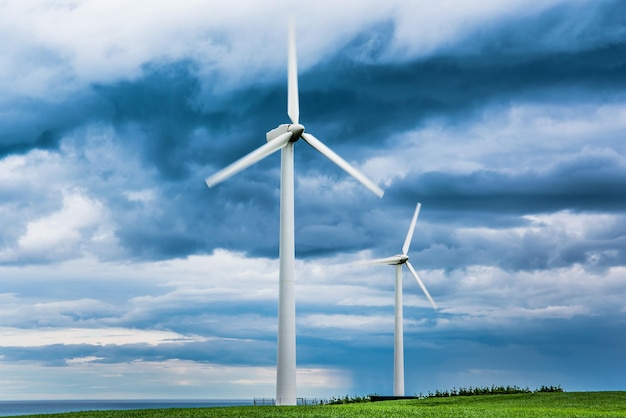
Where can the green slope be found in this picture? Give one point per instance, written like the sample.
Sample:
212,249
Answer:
539,405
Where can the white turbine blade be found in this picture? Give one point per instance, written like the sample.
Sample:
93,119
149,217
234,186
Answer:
246,161
331,155
293,107
409,235
389,260
419,281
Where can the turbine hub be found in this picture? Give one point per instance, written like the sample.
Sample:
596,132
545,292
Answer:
402,258
296,129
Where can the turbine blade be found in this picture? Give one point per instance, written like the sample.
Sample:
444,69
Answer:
247,160
331,155
419,281
388,260
293,107
409,235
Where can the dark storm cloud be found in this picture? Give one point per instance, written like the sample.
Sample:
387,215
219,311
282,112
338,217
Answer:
37,124
595,183
344,97
177,128
162,104
588,183
356,96
443,85
363,102
570,26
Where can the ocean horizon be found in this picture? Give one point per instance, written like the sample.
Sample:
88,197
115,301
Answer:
30,407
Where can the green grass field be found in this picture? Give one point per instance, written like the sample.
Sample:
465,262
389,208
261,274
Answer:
544,405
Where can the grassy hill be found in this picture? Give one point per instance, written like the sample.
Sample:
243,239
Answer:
526,405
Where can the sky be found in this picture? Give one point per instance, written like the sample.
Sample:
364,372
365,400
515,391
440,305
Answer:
122,275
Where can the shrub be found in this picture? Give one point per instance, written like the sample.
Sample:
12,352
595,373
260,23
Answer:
493,390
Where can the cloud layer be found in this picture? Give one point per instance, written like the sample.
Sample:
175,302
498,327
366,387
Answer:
505,120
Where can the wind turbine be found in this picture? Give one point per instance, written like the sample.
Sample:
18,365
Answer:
284,138
398,342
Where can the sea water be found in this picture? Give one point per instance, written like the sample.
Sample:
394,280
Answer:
14,408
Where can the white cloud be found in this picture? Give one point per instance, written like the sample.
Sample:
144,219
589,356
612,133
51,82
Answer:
18,311
573,225
425,27
371,323
323,285
82,360
79,226
56,204
60,232
171,379
520,137
144,196
38,337
80,42
480,298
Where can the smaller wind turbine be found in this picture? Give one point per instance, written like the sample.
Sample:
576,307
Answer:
398,342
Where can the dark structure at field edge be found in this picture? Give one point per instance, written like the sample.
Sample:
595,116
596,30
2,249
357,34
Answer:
377,398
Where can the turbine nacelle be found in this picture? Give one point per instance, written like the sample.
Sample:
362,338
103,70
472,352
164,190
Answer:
402,258
276,132
394,260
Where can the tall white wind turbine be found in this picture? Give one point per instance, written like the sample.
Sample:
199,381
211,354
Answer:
398,342
283,138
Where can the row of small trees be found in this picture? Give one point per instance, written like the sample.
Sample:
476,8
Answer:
493,390
349,399
470,391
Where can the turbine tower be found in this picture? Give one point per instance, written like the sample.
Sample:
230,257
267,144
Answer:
284,138
398,341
